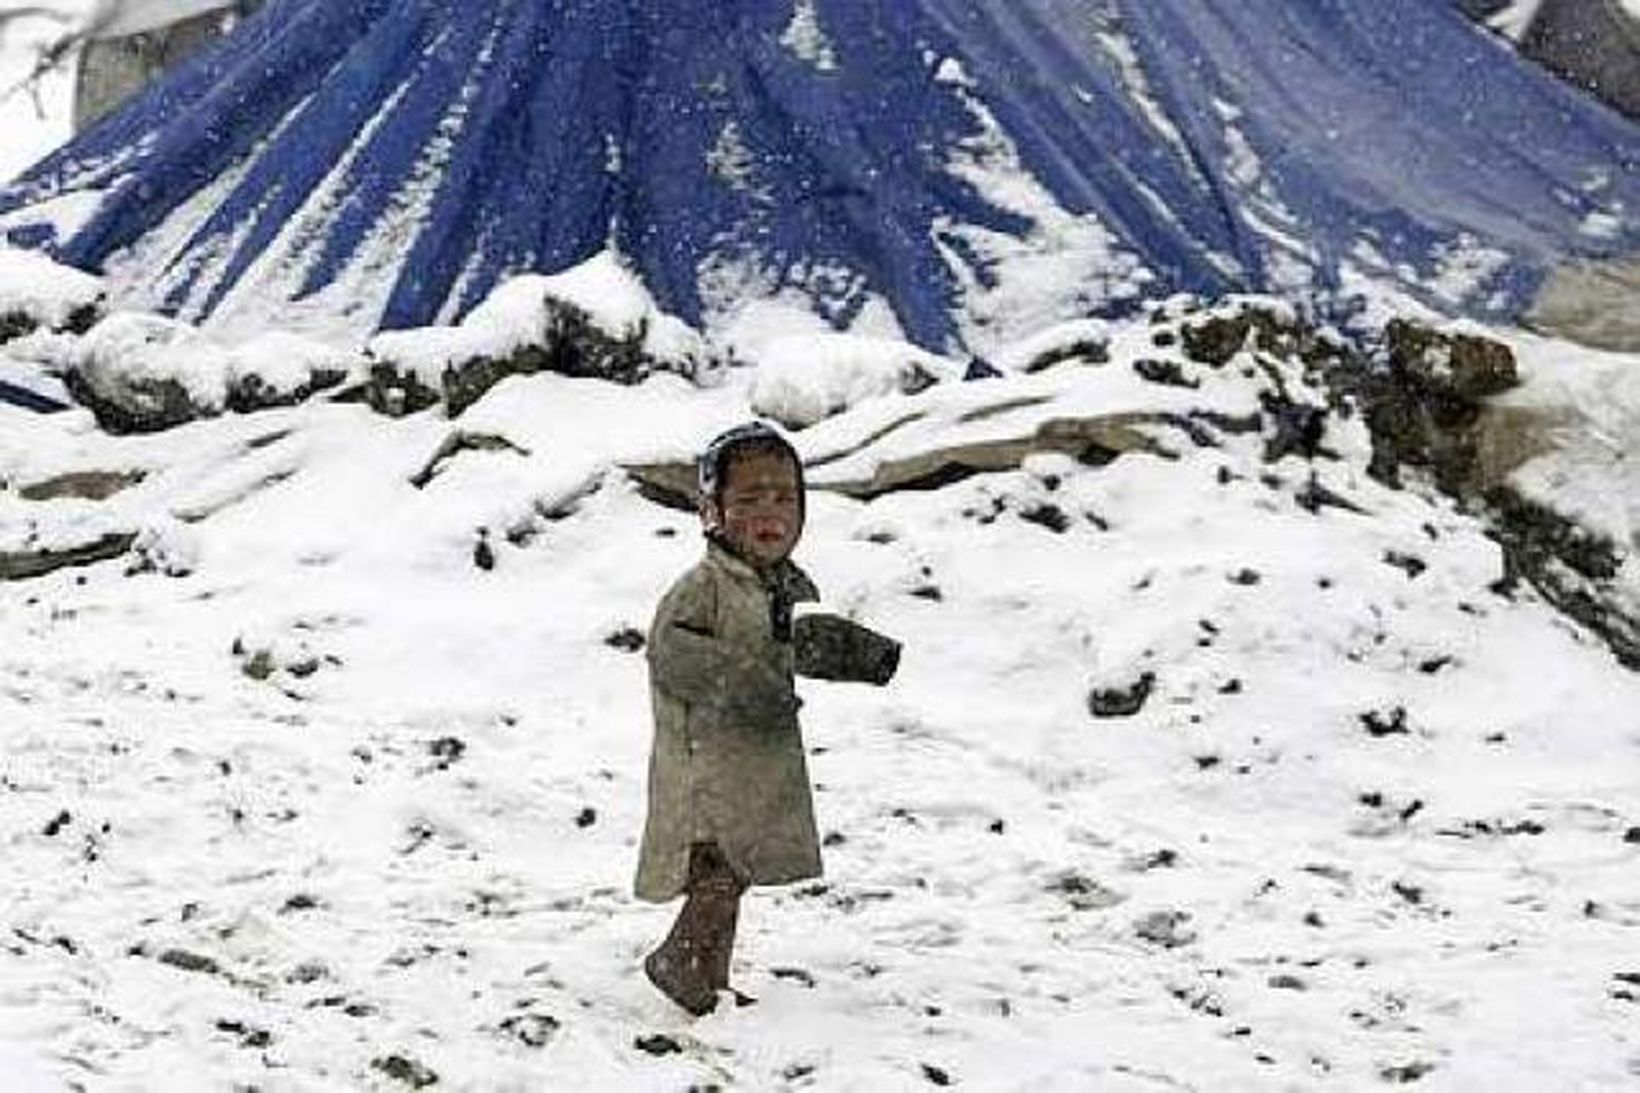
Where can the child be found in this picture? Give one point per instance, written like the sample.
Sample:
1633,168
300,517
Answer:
729,801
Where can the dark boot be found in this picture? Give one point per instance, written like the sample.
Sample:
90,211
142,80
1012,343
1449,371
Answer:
679,968
692,964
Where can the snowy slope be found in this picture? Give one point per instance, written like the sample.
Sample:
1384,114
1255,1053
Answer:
294,794
960,172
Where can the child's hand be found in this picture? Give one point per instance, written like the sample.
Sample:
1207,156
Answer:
832,647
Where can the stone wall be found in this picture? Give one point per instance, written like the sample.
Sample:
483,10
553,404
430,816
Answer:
113,69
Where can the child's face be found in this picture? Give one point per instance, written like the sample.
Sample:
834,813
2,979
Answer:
761,511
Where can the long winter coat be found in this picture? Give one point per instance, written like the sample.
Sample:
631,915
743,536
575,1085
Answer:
727,764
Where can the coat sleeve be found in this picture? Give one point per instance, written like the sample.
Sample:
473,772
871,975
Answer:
832,647
690,662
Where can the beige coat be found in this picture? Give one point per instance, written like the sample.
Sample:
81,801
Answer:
727,764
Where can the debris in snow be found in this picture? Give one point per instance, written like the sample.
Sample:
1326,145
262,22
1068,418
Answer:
1165,928
1124,701
483,552
453,445
936,1075
1084,893
1406,1073
658,1044
404,1069
190,962
531,1029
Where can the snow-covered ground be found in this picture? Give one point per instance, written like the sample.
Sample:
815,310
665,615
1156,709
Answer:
296,795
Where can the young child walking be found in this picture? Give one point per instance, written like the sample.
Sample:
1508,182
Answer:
729,798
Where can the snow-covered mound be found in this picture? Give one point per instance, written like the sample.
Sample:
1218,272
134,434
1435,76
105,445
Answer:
959,172
1214,762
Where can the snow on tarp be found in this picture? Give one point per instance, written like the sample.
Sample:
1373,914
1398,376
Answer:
983,168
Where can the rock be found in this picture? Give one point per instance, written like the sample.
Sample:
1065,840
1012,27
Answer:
142,373
671,485
1093,440
21,565
446,750
1595,303
935,1075
1217,337
1574,569
483,553
800,976
453,445
1406,1073
531,1029
1165,928
1462,365
85,485
803,379
593,321
1046,515
1085,341
1122,701
658,1044
259,666
189,962
249,1036
1166,373
38,294
1084,893
1392,723
406,1070
1410,564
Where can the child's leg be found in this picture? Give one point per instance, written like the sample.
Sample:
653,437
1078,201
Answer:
692,964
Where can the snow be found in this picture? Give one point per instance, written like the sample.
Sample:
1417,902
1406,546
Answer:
35,116
804,378
48,293
807,39
1591,402
294,788
516,314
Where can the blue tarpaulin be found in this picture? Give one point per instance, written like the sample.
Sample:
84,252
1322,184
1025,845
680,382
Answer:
398,157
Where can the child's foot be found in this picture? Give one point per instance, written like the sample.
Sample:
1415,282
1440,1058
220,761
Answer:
682,979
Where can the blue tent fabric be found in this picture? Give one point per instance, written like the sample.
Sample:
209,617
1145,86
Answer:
1216,143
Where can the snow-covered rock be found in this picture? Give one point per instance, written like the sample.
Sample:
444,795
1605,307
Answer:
594,320
37,293
805,378
143,373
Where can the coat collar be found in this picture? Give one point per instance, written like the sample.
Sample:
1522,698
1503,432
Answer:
785,579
